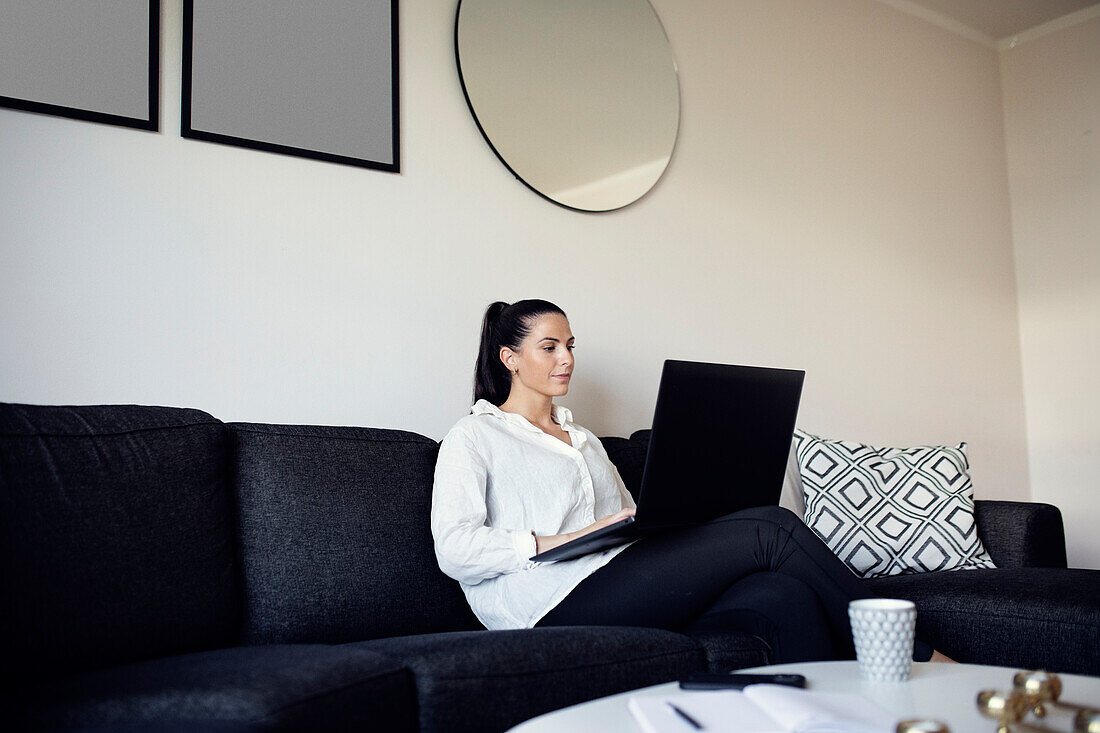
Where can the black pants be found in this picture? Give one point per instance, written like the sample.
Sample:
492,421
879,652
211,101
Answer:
760,571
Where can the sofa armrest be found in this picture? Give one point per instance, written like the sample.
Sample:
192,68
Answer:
1021,534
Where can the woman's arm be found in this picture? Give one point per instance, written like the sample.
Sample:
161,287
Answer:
549,542
466,548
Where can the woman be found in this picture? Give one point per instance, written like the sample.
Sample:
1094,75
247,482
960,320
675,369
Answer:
517,476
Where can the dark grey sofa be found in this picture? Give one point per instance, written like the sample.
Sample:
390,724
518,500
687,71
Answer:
1031,612
164,570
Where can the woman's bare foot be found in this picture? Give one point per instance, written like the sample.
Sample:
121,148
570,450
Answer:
937,657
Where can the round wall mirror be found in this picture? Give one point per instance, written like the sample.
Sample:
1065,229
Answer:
578,98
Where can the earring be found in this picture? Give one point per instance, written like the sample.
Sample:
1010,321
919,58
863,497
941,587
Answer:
515,372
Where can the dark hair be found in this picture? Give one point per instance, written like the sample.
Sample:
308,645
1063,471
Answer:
504,325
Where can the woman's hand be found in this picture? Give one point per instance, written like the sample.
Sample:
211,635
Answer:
549,542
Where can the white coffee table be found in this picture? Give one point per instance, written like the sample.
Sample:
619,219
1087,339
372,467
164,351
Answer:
944,692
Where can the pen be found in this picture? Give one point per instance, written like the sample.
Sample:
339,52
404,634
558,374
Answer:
691,721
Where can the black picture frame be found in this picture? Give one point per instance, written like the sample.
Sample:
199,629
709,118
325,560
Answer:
214,105
45,73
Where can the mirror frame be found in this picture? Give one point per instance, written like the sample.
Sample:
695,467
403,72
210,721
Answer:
524,181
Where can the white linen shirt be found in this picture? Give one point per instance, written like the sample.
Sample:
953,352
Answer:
498,478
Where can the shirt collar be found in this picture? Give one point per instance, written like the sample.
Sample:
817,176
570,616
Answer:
562,416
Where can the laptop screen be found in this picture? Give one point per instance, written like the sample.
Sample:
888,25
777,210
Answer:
720,441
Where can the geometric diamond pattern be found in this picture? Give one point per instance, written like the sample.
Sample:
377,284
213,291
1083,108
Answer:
862,557
891,511
962,520
828,524
892,526
855,493
886,470
820,463
919,497
944,467
931,555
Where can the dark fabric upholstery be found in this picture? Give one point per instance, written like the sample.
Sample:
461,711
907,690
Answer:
491,680
725,652
115,543
1034,618
248,688
1021,534
334,535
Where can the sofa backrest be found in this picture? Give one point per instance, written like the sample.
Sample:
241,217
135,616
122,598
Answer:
115,536
334,535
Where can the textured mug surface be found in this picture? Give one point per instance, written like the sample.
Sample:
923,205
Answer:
882,629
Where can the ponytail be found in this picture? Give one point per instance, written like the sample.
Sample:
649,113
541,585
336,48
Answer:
504,325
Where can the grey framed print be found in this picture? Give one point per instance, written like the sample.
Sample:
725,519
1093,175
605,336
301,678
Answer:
314,79
95,60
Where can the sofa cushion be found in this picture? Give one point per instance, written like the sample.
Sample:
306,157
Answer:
891,511
487,681
249,688
1031,618
334,535
115,536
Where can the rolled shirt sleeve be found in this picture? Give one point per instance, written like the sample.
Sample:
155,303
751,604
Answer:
466,548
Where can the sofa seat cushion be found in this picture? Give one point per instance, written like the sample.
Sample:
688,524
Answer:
1034,618
242,688
491,680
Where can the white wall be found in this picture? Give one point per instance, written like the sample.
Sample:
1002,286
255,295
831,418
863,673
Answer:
1052,111
837,202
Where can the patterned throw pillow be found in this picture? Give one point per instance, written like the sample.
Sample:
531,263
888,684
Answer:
891,511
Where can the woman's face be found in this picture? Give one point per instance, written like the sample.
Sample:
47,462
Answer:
545,358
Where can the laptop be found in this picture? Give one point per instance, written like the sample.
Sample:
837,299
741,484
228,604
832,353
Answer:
720,441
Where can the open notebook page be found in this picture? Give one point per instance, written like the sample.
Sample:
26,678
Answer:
762,709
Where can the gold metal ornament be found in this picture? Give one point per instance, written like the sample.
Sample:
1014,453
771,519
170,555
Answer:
1033,692
922,726
1008,709
1039,687
1042,689
1086,721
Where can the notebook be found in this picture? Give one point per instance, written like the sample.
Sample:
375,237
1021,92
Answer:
719,443
761,709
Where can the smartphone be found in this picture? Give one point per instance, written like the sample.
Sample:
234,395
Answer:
720,681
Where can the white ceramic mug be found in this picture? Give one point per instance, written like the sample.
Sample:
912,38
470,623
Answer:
883,629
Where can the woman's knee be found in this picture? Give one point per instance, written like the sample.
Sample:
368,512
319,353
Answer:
782,515
767,594
781,609
772,591
778,515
